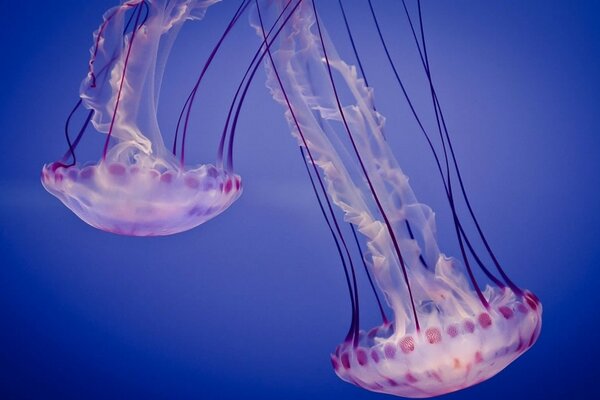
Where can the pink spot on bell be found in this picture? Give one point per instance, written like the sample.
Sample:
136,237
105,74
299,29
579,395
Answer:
532,300
452,331
192,182
116,169
389,351
167,177
522,308
346,360
410,378
212,172
506,312
484,320
435,376
433,335
228,186
361,357
469,326
407,344
86,173
478,357
375,356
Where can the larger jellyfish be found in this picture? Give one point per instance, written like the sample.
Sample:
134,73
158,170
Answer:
446,332
139,187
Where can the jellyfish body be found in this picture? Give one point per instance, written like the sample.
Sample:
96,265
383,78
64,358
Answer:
129,199
446,334
457,347
138,187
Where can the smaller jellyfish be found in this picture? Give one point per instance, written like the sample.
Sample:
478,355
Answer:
139,187
441,330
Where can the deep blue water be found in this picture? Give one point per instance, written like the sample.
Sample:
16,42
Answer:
250,304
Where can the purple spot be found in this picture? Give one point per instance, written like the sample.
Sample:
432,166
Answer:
86,173
410,378
361,356
452,330
346,360
228,186
116,169
532,300
192,182
389,351
237,184
167,177
212,172
392,382
55,165
435,376
375,356
522,308
484,320
478,357
506,312
469,326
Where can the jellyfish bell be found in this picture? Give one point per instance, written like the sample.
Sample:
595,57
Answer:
451,351
148,199
138,187
445,332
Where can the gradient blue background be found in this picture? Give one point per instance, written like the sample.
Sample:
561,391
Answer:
250,304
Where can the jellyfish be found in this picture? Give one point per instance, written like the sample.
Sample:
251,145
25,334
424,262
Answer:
445,331
139,187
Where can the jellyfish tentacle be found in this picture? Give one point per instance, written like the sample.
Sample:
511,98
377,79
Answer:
364,75
446,179
354,49
362,257
118,100
509,282
351,330
252,64
247,86
366,175
190,100
353,333
73,145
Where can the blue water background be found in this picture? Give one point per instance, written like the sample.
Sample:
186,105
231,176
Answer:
250,304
